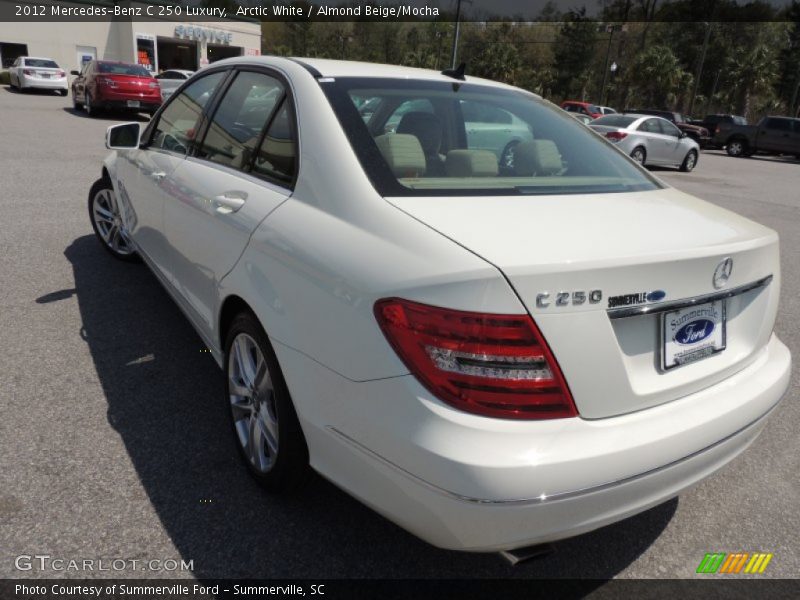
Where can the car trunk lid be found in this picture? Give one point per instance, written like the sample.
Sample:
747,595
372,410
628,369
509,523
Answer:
634,249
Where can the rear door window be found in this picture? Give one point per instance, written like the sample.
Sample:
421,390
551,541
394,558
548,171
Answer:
244,111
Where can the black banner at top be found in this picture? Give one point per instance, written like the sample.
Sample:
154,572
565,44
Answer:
398,10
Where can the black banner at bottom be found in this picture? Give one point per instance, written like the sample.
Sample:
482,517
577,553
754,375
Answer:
353,589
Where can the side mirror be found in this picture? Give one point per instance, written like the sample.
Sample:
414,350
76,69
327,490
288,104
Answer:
76,73
123,137
683,134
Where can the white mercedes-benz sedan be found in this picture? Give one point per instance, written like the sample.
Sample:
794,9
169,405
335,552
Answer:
492,354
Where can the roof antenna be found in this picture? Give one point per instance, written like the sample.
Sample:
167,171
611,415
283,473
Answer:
457,73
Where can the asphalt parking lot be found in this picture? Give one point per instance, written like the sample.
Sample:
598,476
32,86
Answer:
114,440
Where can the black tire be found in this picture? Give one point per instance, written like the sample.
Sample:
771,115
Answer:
75,104
62,93
737,147
288,468
122,249
91,111
690,162
507,157
639,154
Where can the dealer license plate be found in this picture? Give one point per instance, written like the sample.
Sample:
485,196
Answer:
693,333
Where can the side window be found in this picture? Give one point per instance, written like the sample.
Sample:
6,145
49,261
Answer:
779,124
235,130
477,112
419,105
650,126
176,126
277,156
669,129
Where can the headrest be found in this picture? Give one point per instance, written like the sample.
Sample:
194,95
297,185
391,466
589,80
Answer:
471,163
403,153
537,157
426,126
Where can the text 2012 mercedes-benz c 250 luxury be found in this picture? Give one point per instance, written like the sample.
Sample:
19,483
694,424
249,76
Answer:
492,340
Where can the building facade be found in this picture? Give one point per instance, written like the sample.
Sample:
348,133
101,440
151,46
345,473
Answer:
156,45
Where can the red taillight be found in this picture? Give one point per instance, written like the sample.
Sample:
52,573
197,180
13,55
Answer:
492,365
616,136
27,71
61,74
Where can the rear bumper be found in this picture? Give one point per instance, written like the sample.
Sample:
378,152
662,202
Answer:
465,482
123,105
43,84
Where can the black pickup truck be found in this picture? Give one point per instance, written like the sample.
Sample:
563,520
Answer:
713,123
772,135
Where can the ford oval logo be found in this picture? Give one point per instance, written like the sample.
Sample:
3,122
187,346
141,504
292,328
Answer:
694,331
656,296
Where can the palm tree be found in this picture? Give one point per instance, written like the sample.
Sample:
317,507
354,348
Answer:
658,76
752,72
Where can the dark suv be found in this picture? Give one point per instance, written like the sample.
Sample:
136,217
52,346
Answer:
697,133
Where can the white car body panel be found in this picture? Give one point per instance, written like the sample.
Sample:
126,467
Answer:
311,263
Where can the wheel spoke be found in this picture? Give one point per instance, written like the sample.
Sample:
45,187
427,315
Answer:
103,213
269,428
237,389
261,380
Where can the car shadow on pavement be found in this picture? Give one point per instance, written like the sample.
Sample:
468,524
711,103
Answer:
165,400
108,115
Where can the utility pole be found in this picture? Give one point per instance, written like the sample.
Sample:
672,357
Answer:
699,73
610,29
454,54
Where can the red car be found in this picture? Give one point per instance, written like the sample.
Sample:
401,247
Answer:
585,108
104,84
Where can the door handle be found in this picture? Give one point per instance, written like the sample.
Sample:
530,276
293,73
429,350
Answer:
229,202
157,175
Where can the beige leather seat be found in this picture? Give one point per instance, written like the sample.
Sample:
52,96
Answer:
471,163
537,157
403,153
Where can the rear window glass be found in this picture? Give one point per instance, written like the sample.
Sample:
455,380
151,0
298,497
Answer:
614,121
41,63
427,138
122,69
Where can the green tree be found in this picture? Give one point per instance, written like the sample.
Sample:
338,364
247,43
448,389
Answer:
752,72
573,54
658,77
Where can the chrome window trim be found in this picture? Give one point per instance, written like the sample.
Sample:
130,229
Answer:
660,307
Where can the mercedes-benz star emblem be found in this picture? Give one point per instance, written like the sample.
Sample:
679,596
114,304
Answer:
722,273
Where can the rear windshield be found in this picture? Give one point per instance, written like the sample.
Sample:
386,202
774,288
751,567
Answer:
122,69
41,63
425,138
614,121
739,120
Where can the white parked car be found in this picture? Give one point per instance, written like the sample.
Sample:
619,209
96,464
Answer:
489,359
607,110
29,72
649,140
171,79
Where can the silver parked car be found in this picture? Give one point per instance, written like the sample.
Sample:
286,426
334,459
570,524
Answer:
171,80
649,140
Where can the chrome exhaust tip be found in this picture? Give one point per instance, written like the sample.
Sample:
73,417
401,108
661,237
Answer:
518,555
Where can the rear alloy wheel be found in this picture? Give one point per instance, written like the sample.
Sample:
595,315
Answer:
507,157
107,222
639,155
264,420
91,111
690,162
75,104
736,148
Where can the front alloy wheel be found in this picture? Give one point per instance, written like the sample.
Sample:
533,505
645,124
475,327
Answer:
107,221
264,420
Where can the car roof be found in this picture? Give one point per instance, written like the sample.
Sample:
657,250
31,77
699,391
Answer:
347,68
